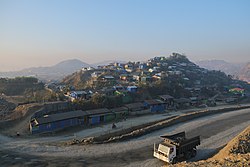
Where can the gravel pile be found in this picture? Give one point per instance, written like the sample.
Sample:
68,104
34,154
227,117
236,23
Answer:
242,146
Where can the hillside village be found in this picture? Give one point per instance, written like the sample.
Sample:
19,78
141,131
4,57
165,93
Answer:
124,83
117,102
117,91
175,76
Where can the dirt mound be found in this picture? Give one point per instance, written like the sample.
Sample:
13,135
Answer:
23,110
235,153
239,145
18,119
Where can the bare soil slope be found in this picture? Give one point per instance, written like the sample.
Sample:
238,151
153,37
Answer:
235,153
18,119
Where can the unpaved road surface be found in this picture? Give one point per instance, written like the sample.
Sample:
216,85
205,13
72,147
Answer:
215,131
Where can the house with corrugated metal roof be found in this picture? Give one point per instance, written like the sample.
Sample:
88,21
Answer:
132,89
169,100
99,116
136,109
155,105
59,121
134,106
55,122
120,112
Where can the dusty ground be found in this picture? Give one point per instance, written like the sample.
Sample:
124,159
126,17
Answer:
215,131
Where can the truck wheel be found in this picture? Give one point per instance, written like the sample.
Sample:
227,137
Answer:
188,155
193,153
174,161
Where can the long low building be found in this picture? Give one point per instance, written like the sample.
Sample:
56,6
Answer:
55,122
155,105
99,116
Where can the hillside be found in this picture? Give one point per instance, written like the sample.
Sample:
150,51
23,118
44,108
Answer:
77,79
244,73
220,65
19,85
55,72
171,75
241,70
17,120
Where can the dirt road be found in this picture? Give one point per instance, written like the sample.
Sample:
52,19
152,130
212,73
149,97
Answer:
215,131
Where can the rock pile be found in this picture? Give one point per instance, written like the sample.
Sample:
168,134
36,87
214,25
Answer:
242,146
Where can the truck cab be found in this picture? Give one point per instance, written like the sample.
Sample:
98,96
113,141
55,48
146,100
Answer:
165,152
176,147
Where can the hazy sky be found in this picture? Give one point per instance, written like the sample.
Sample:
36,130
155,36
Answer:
44,32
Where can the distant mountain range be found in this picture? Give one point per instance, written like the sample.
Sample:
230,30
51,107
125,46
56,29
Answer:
221,65
239,70
55,72
67,67
244,73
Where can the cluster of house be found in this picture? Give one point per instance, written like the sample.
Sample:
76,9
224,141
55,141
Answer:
56,117
45,122
125,79
117,78
86,95
154,69
60,117
128,75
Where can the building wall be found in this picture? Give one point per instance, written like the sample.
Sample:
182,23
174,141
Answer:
94,120
109,117
157,108
121,114
140,112
84,120
54,126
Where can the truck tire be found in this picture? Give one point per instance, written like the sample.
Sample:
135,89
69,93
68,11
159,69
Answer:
193,153
188,155
174,161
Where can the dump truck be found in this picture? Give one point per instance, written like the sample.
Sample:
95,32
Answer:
176,147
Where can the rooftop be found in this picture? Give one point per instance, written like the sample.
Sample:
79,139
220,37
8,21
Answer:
60,116
154,102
